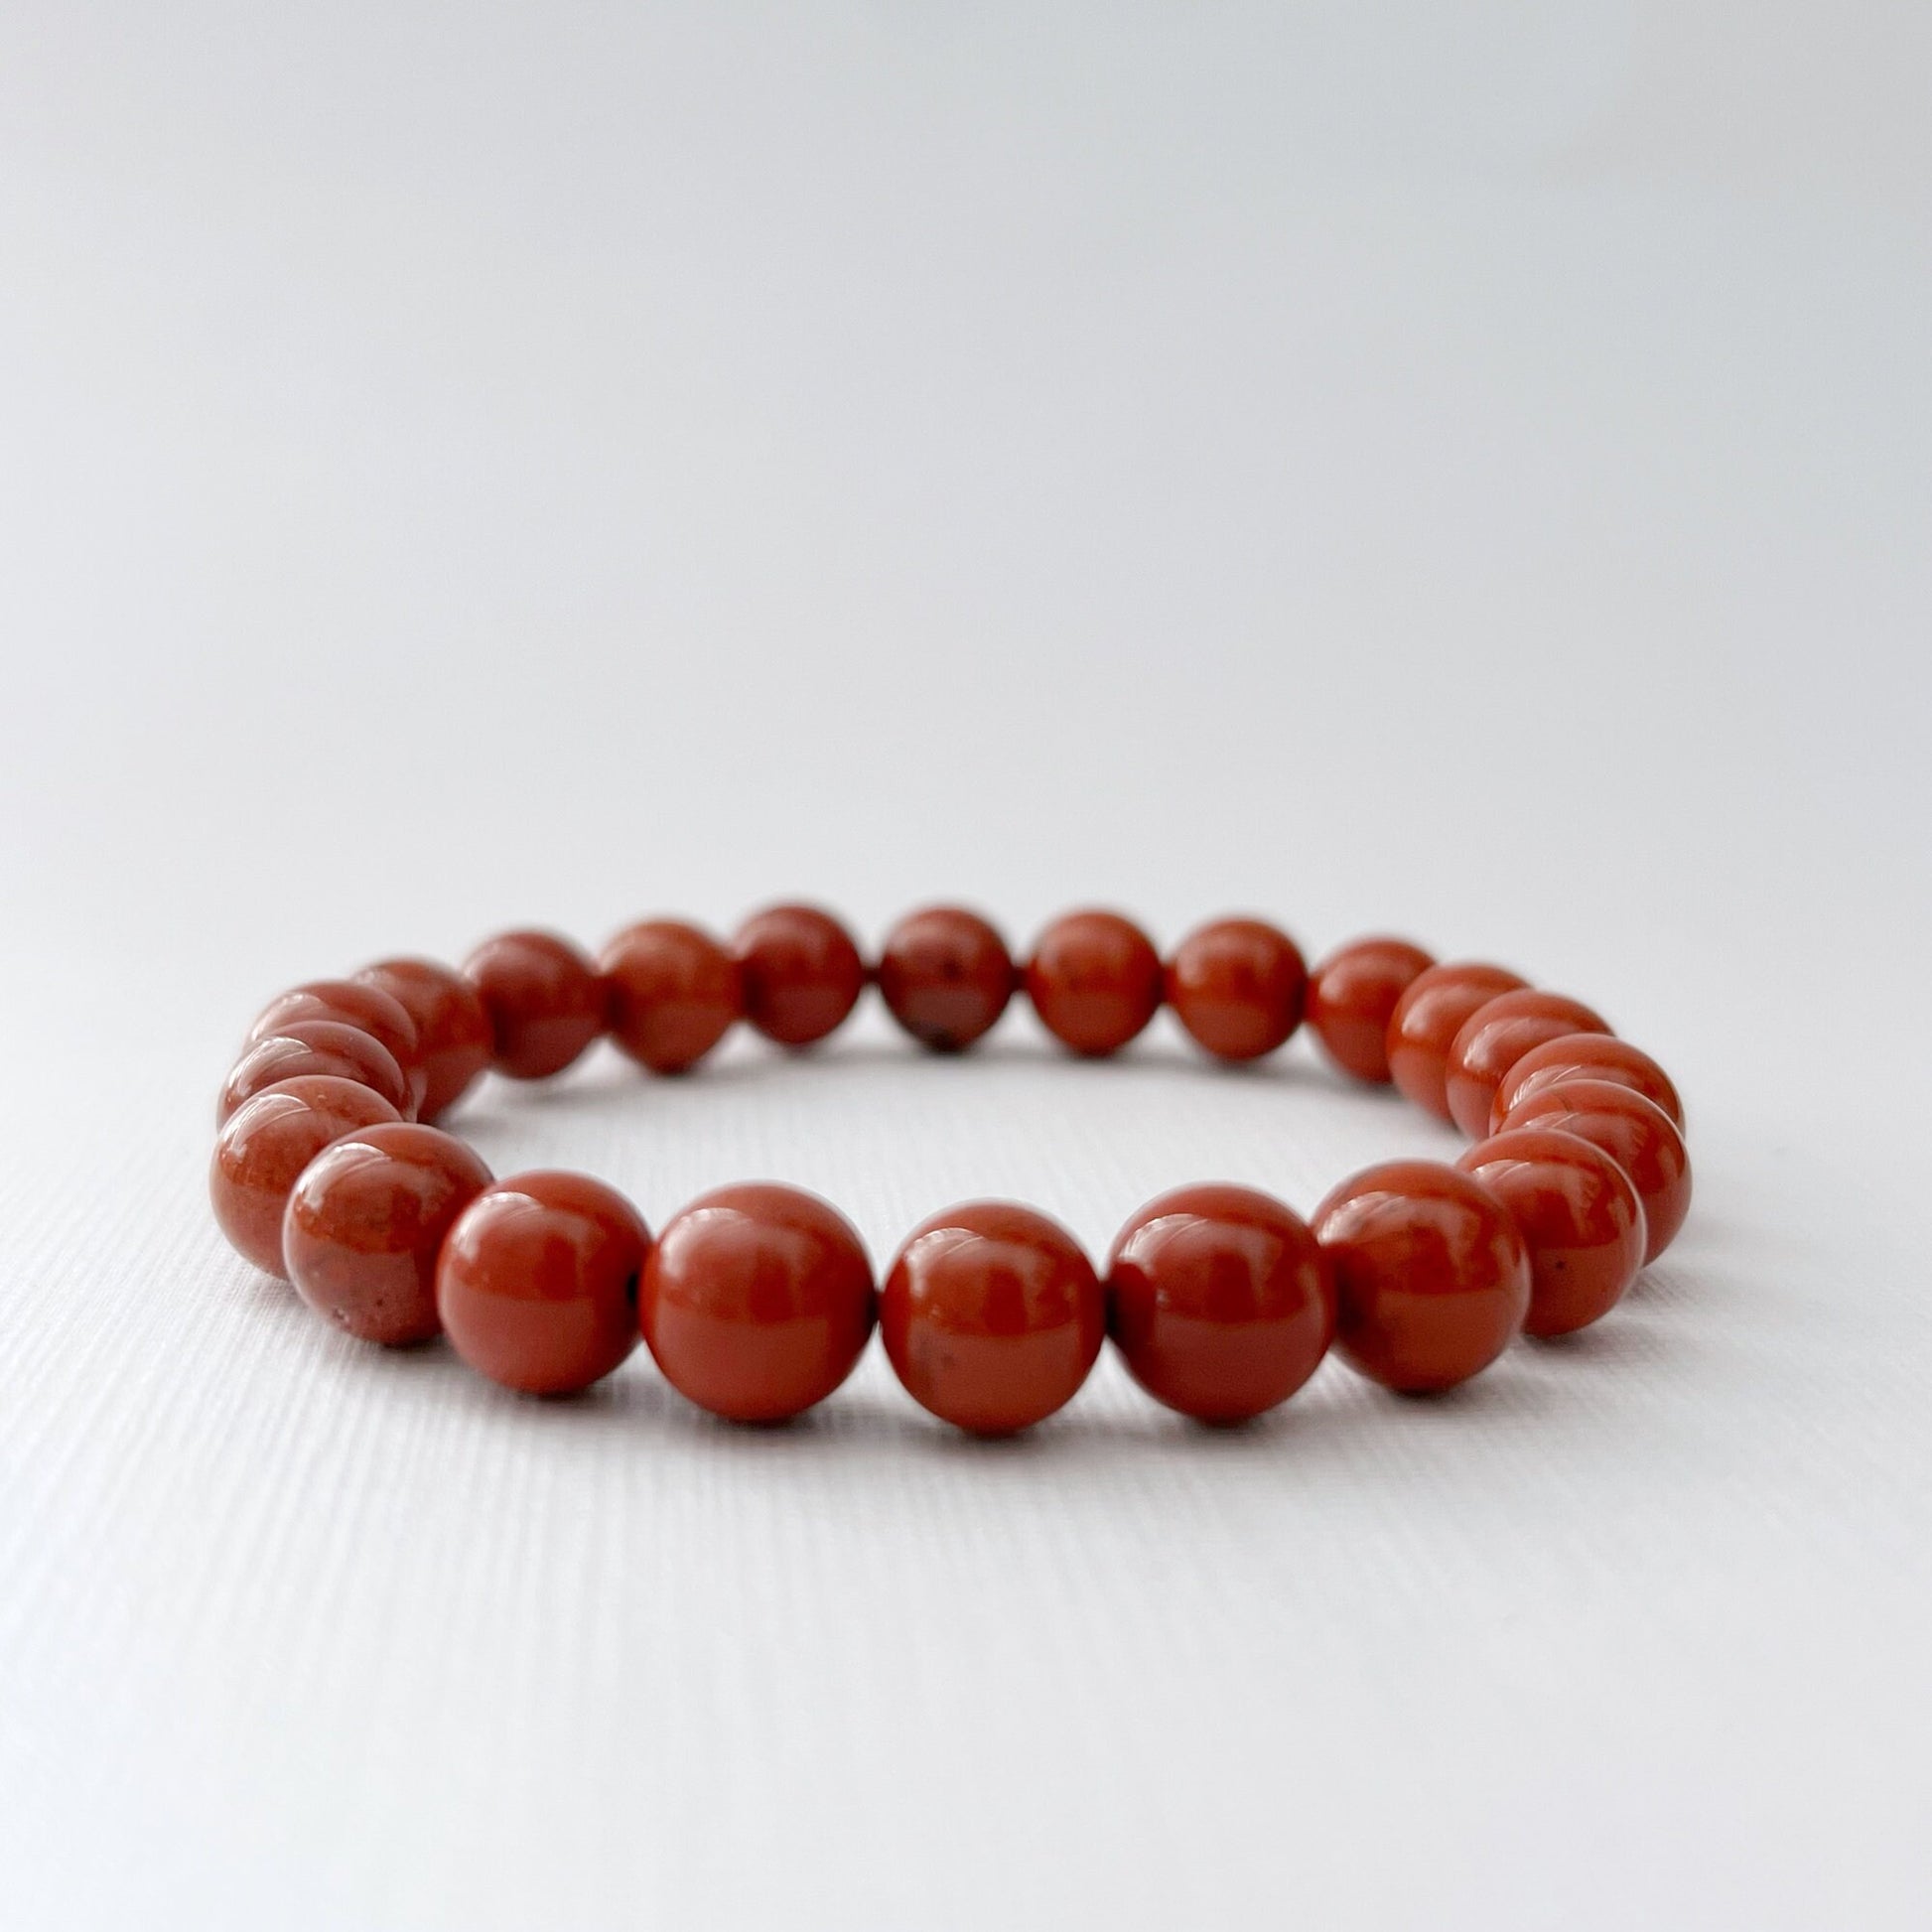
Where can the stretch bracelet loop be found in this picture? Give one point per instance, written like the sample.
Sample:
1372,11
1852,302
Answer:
756,1301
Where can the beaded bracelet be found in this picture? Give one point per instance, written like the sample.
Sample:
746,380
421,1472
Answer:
756,1301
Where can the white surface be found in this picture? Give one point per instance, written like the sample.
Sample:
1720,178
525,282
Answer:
1464,469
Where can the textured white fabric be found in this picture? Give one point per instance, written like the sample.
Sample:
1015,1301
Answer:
1458,470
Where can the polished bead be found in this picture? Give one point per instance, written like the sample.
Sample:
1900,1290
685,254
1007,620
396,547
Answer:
314,1047
1095,981
1352,996
1425,1020
1634,1132
756,1301
351,1003
1495,1036
543,999
1593,1056
1237,985
800,972
1219,1301
266,1144
1578,1215
674,993
1431,1277
452,1030
537,1282
365,1223
992,1316
946,976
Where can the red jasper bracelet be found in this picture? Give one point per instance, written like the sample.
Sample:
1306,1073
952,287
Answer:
756,1301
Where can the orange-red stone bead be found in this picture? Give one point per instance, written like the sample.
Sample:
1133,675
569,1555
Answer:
365,1221
756,1301
1425,1020
1220,1302
1352,996
314,1047
800,972
1634,1132
1095,981
544,1001
1495,1036
1578,1215
352,1002
1592,1057
946,976
1432,1274
267,1142
992,1316
1237,985
674,993
452,1030
537,1282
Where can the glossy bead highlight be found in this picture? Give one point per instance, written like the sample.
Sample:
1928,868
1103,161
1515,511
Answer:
946,976
1095,981
1220,1302
452,1030
1634,1132
365,1221
543,999
992,1316
352,1002
1425,1020
326,1047
673,992
800,972
268,1140
1590,1056
1352,996
1495,1036
756,1301
1237,985
1578,1215
1432,1275
537,1282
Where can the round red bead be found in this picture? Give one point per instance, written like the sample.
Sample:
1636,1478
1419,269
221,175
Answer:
365,1221
992,1316
946,976
1352,996
1237,985
1591,1056
1578,1215
543,999
1219,1301
1095,981
266,1144
800,972
452,1030
1432,1275
674,993
537,1282
756,1301
1634,1132
1495,1036
1425,1020
326,1047
351,1003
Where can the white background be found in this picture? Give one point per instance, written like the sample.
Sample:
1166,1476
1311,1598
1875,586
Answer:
1465,470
